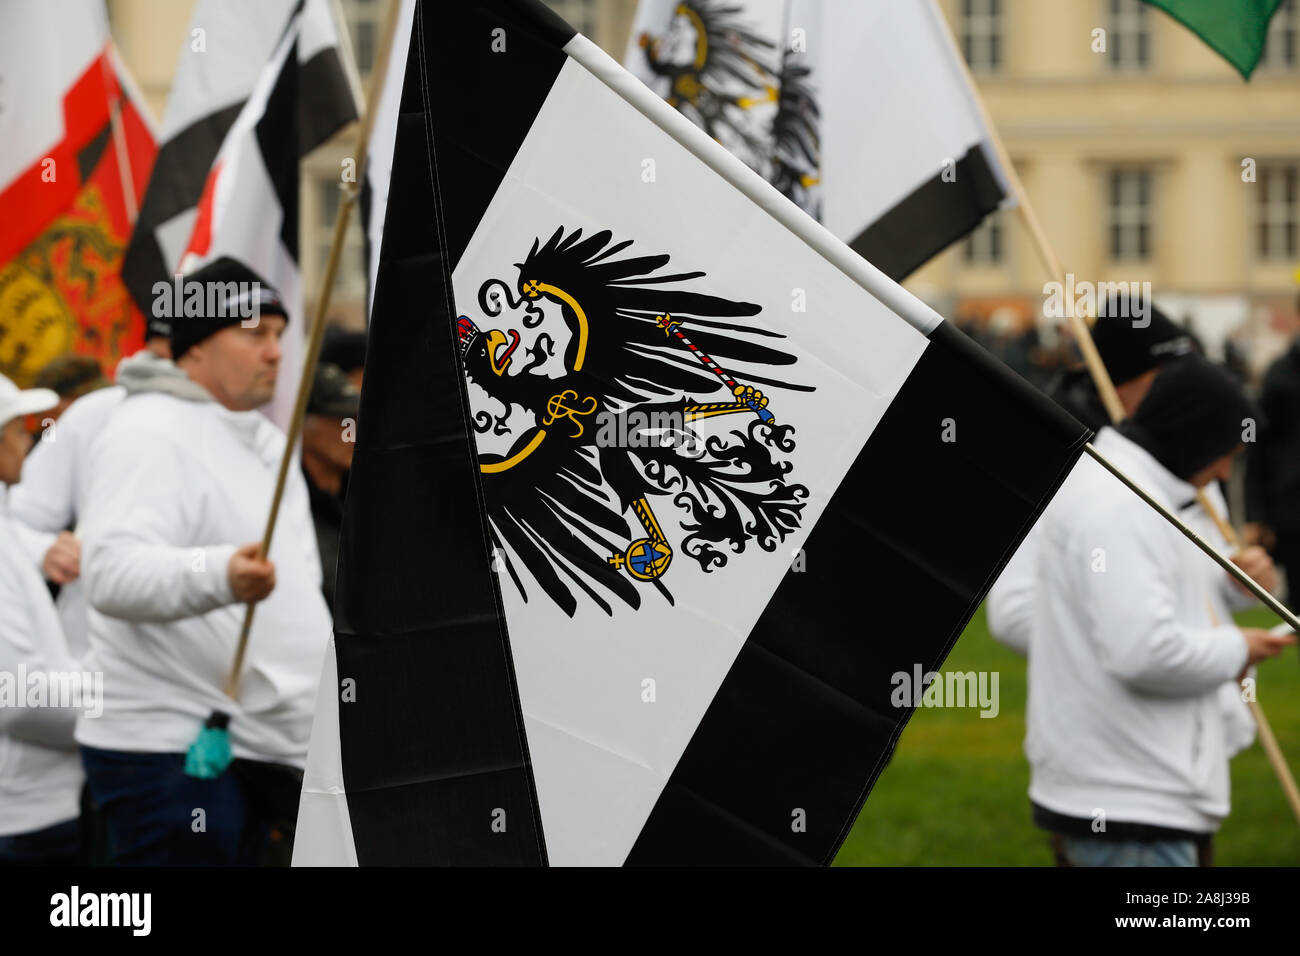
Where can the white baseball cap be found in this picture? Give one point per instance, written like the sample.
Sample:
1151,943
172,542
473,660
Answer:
15,401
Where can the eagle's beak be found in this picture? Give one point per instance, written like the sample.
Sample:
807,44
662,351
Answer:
498,358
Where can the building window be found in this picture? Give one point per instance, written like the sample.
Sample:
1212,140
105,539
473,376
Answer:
1129,35
981,34
351,280
984,245
579,14
1279,212
1130,215
1280,44
363,18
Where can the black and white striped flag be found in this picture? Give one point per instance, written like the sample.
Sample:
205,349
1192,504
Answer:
858,110
248,207
656,485
228,49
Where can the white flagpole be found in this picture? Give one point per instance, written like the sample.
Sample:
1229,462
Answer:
119,139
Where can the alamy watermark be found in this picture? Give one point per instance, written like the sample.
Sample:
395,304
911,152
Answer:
655,429
950,689
191,299
1126,300
75,690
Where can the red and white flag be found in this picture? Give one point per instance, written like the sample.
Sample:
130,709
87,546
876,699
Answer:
78,147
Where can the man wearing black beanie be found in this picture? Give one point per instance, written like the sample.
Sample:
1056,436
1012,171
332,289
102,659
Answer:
1192,420
1134,338
180,483
1126,732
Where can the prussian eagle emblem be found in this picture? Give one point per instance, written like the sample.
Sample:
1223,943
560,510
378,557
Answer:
617,434
753,98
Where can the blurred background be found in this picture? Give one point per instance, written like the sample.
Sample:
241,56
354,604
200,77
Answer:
1133,160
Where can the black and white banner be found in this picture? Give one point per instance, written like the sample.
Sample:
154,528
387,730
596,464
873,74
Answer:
227,48
858,110
248,209
656,485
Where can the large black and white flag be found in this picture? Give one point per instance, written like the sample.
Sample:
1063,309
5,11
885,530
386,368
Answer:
656,485
226,51
858,110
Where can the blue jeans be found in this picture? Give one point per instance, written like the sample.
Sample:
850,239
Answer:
159,816
59,845
1083,851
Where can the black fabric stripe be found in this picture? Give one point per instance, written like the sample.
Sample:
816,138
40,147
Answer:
486,101
325,102
896,566
366,201
179,172
931,218
278,146
88,156
436,745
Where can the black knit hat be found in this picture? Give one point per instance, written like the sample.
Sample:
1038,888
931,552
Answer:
333,394
1193,415
345,348
232,292
1130,345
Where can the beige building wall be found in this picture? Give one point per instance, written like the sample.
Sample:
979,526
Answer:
1067,119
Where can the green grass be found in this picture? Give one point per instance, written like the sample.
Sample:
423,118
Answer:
955,793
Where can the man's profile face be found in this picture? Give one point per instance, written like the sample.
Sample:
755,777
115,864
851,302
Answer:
238,364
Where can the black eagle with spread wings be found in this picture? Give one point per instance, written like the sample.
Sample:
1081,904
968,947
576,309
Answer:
589,396
756,100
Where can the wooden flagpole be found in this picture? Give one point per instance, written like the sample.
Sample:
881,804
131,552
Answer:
351,191
1115,409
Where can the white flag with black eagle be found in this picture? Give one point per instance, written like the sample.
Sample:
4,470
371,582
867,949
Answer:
858,110
656,485
248,208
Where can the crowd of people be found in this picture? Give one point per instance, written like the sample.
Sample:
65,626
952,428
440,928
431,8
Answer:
130,544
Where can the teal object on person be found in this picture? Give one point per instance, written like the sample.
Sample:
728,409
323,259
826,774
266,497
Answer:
209,755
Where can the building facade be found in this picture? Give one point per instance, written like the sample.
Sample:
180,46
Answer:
1147,158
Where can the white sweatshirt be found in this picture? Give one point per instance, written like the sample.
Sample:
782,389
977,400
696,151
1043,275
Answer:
52,494
1124,713
40,769
176,486
1010,604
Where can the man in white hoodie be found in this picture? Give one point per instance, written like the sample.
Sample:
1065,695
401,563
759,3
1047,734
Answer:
1126,738
180,483
40,773
1133,351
